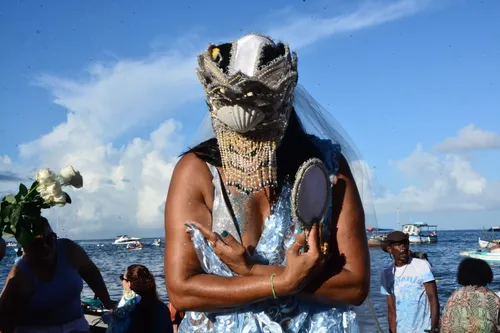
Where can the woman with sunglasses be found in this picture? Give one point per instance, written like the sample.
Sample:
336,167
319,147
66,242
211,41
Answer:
42,290
140,309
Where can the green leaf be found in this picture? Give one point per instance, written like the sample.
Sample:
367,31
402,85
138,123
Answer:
68,198
11,199
35,184
23,190
6,210
15,215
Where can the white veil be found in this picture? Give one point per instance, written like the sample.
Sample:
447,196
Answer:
319,122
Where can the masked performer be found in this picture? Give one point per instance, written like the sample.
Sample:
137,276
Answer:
235,260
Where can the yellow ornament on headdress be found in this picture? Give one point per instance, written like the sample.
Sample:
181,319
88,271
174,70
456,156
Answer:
215,53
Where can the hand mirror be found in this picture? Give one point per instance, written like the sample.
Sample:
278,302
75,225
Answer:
311,195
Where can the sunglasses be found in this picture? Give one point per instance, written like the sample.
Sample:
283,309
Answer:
122,278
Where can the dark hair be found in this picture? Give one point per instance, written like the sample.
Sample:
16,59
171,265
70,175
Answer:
296,147
474,272
143,283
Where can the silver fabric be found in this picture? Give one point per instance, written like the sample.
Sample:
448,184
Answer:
220,210
284,315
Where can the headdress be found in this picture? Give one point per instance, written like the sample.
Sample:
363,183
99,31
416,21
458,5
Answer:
249,86
21,214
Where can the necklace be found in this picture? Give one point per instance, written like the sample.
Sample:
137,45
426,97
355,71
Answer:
395,267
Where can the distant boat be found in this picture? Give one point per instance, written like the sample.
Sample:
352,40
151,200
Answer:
494,229
156,242
134,246
11,244
486,244
481,254
124,239
420,232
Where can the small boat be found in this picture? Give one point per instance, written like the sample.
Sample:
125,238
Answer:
134,246
494,229
156,242
420,232
11,244
124,239
486,244
376,236
481,254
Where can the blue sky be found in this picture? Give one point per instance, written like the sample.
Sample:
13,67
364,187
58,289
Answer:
110,87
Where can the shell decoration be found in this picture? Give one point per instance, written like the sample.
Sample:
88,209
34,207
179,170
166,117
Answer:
241,119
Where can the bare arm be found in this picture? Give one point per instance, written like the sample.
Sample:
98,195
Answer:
341,282
15,295
391,313
431,290
89,272
188,287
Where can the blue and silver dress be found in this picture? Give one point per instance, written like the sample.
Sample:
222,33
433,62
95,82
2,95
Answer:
286,314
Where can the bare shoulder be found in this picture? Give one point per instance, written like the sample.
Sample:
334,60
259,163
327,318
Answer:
75,254
189,166
71,246
192,178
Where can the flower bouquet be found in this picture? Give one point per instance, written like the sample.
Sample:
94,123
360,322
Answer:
21,214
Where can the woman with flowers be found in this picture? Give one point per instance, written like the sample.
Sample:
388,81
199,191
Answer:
42,291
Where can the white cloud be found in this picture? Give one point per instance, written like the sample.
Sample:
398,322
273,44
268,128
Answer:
470,138
300,31
449,183
124,186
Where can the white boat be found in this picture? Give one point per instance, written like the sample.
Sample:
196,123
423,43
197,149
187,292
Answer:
420,232
124,239
484,255
11,244
486,244
156,242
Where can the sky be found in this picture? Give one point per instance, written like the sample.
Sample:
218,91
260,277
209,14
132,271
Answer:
110,88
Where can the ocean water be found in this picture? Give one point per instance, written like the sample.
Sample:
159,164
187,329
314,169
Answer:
444,256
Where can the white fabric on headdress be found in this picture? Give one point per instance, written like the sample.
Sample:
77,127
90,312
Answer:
247,54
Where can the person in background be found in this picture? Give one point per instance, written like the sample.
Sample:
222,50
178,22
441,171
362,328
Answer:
472,307
42,291
43,288
175,316
140,309
410,288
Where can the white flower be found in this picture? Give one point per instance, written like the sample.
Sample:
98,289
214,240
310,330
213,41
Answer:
70,176
67,173
45,177
60,200
53,194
